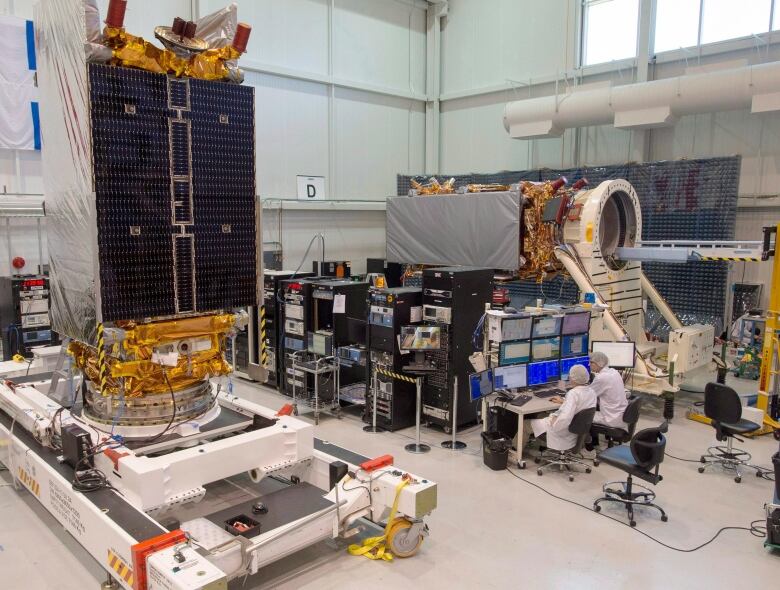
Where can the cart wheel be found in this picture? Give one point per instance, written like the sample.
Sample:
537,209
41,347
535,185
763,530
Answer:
521,464
738,479
596,508
539,472
759,473
777,434
587,470
537,460
702,459
596,462
701,470
571,478
448,430
401,543
664,518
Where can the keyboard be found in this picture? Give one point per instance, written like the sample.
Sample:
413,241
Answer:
549,392
521,400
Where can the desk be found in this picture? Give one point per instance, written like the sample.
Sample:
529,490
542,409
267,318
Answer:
535,405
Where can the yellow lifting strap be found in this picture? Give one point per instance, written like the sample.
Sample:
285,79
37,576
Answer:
376,547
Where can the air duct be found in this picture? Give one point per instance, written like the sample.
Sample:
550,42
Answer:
647,105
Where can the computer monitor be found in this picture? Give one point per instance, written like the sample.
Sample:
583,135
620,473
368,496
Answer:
543,349
544,372
545,326
621,355
481,384
511,353
567,364
576,323
510,377
420,338
516,328
575,345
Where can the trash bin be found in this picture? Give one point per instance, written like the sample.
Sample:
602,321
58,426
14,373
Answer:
495,450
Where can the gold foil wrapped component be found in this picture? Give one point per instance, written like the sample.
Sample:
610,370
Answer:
434,187
198,344
487,188
136,52
540,238
211,64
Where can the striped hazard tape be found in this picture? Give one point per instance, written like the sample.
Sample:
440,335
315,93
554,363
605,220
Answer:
387,373
120,567
29,482
102,359
732,258
263,344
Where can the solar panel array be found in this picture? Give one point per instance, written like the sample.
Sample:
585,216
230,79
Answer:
174,173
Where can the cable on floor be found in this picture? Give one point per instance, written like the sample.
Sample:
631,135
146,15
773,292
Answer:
764,472
754,529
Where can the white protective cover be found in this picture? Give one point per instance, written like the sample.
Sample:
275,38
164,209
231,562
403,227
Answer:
481,229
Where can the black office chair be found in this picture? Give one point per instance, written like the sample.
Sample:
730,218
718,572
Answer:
580,425
619,435
723,408
641,459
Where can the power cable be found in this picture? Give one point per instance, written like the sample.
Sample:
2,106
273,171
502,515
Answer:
754,529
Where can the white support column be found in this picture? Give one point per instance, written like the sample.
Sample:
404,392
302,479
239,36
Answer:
436,11
640,138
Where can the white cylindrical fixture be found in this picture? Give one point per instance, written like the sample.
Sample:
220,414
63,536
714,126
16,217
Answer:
647,104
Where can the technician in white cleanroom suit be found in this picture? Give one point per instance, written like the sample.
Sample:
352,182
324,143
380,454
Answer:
610,392
578,398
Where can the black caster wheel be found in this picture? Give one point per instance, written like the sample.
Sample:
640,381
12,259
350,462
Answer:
521,464
664,518
587,470
776,434
539,472
759,474
701,470
537,460
738,479
571,478
596,462
447,430
596,508
702,459
632,523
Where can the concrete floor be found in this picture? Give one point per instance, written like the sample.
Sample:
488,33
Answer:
490,530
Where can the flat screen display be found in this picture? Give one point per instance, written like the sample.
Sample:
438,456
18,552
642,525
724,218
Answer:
547,326
545,372
567,364
576,345
420,338
481,384
516,328
512,353
620,354
576,323
510,377
543,349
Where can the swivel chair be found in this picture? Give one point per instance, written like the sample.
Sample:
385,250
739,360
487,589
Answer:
641,459
619,435
580,425
723,408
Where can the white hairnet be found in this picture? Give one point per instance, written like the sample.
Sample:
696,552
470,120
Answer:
579,375
600,359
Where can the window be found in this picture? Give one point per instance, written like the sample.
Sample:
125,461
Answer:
610,30
727,19
678,22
